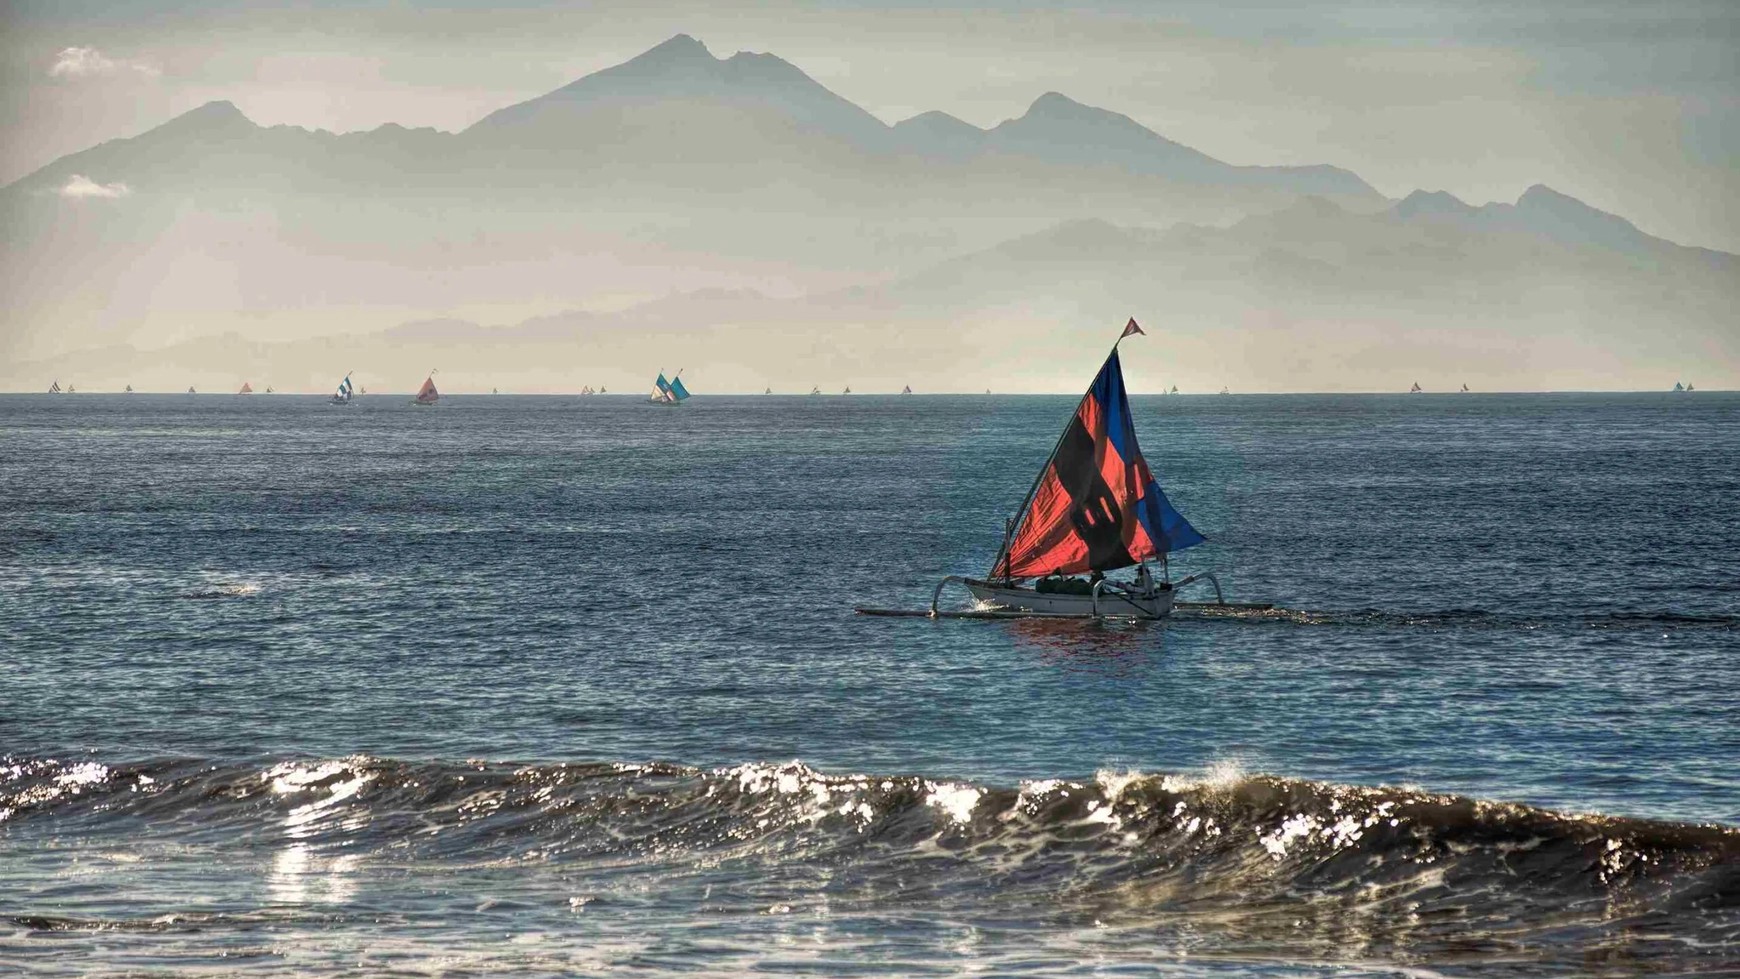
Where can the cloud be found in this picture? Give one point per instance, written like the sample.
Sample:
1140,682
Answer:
91,63
83,186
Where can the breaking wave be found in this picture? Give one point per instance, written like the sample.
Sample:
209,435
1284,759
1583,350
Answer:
1243,863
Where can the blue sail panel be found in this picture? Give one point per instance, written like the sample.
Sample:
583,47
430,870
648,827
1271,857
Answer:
677,388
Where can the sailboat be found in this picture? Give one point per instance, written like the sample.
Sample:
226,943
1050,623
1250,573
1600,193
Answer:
1415,389
427,395
1223,390
848,389
70,389
494,391
816,390
1094,507
1464,389
906,390
269,389
1690,388
55,387
669,393
190,390
129,389
344,393
768,391
246,388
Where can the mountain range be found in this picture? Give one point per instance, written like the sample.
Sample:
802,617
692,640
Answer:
738,211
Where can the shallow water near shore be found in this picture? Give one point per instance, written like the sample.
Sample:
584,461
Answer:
536,684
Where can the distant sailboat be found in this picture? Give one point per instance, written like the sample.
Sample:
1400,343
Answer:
129,389
55,387
848,389
906,390
1223,390
269,389
1174,389
1690,388
344,393
815,390
768,391
246,388
1464,389
494,391
427,395
668,394
70,389
600,389
190,390
1415,389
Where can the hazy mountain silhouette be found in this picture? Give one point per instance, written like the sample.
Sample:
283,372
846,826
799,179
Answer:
739,186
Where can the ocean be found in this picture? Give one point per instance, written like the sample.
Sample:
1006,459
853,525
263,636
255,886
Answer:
563,685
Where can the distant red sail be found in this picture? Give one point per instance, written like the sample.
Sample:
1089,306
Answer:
427,393
1097,506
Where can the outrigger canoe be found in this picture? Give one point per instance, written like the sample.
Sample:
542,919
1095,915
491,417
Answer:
1095,508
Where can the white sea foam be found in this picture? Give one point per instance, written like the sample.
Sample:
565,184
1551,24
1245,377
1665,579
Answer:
1295,827
954,798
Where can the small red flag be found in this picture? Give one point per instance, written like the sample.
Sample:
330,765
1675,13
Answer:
1130,328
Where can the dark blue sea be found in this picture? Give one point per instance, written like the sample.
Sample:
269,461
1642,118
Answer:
574,686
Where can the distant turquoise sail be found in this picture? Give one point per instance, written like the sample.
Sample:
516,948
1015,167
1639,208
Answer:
677,390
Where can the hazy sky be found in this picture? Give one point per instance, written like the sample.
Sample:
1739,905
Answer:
1632,107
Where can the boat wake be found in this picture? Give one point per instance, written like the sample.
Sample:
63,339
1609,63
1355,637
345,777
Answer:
1461,618
1223,864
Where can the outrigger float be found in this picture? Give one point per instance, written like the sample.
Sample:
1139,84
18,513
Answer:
1095,507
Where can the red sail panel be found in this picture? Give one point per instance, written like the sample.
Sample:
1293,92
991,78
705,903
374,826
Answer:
1082,516
1097,506
427,392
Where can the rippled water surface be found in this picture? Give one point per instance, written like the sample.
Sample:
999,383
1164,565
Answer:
516,684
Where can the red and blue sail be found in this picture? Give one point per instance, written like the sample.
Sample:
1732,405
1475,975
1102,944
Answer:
1097,505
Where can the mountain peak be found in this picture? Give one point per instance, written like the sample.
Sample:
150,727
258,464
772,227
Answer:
1543,199
219,118
681,75
1432,202
1053,101
1056,105
679,48
1568,219
220,112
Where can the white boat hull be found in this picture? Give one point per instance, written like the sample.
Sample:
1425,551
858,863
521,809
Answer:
1113,602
